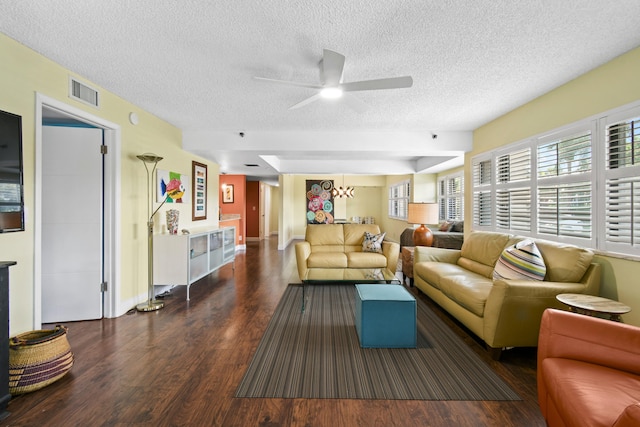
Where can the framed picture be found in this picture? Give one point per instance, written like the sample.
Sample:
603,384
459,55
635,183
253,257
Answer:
199,186
172,187
227,193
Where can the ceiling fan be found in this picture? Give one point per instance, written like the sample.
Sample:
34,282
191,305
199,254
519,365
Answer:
332,86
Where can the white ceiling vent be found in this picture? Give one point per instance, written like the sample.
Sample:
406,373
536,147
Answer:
83,93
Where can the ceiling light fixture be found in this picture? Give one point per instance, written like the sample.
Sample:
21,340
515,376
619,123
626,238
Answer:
331,92
342,192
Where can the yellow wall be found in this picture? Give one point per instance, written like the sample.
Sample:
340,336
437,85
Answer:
425,188
274,213
609,86
22,74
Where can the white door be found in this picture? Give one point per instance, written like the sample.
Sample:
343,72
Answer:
72,217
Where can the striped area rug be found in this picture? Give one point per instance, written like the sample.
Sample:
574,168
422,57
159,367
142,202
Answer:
316,354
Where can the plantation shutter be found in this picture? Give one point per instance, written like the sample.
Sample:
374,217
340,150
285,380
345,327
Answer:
482,203
622,186
513,192
442,200
565,199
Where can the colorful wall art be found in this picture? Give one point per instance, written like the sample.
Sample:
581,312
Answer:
174,186
319,201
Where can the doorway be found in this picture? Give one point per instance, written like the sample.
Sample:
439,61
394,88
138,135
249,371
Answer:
106,297
72,249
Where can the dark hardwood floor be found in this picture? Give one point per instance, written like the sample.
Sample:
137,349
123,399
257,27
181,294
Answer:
182,364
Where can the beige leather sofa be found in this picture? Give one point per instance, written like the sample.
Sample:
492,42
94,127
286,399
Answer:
334,252
503,313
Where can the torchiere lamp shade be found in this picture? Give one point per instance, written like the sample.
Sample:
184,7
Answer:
422,213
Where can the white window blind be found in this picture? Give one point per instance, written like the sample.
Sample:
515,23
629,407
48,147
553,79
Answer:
564,186
513,192
482,201
451,197
482,173
513,209
482,208
399,200
565,210
622,186
578,184
442,199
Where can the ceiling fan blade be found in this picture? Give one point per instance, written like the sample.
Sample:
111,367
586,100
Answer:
331,68
305,102
377,84
355,103
288,83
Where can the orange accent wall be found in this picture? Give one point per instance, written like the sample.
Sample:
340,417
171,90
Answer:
253,209
238,206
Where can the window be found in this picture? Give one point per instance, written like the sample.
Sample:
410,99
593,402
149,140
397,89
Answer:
399,200
622,184
579,184
482,190
565,186
513,190
451,197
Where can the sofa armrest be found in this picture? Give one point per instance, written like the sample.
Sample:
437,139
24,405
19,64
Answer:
514,308
426,253
588,339
630,417
303,250
391,251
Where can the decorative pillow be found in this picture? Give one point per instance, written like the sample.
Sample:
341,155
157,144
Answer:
372,242
445,226
457,226
520,261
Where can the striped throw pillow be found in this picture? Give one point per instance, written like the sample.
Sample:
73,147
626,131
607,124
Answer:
520,261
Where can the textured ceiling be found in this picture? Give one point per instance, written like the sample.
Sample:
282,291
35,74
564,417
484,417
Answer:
192,63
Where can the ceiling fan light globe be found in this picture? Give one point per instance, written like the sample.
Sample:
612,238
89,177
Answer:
331,92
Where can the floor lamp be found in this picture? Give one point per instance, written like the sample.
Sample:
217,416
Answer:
422,213
151,304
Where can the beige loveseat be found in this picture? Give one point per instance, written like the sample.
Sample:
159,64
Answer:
334,252
503,313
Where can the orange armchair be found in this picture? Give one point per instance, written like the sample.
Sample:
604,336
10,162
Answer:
588,371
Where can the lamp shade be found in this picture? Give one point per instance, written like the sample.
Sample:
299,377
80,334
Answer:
423,213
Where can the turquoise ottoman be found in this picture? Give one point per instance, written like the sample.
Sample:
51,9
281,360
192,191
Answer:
385,316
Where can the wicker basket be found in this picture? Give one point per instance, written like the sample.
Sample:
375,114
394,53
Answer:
38,358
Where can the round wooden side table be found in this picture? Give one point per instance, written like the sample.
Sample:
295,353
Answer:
590,305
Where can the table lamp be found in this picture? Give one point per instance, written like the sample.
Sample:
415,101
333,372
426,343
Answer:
422,213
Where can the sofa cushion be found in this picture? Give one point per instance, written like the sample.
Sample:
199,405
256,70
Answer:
565,263
433,271
520,261
366,260
597,392
481,250
327,260
468,290
457,227
354,235
445,226
372,242
325,235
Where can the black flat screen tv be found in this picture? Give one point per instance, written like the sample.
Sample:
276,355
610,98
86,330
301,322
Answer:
11,191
